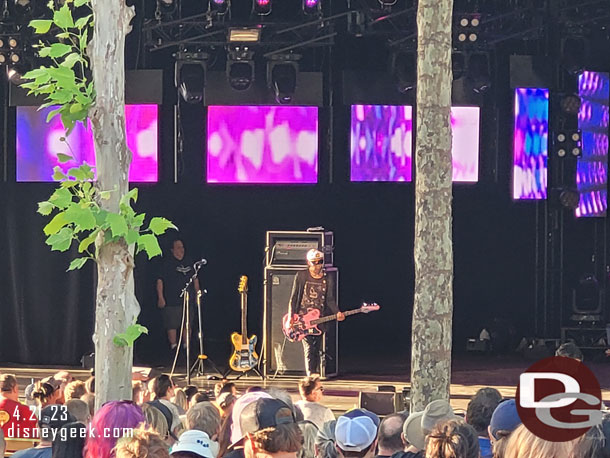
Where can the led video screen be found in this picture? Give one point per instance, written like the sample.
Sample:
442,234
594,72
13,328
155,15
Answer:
39,142
530,143
592,167
262,144
382,143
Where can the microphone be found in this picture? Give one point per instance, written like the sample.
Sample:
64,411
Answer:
201,262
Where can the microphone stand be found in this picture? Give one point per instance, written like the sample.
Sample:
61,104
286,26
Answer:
187,316
199,366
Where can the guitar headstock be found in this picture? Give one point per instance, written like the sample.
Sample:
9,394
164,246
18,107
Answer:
199,294
369,307
243,284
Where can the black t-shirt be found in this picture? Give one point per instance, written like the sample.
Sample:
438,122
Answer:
309,292
174,275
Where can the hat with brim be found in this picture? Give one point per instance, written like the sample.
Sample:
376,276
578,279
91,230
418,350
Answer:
196,442
413,432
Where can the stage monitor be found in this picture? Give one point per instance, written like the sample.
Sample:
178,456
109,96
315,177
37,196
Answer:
530,143
39,142
262,144
382,143
592,167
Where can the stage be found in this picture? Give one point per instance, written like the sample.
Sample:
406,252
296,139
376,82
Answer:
341,393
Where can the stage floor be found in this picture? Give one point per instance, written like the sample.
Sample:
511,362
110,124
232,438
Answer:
341,393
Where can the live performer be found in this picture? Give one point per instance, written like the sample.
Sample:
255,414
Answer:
313,289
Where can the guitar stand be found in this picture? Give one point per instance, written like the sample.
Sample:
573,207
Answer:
198,367
241,374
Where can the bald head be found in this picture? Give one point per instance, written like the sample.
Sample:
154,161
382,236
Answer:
390,429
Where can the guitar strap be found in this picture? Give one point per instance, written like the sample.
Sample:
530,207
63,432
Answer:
166,413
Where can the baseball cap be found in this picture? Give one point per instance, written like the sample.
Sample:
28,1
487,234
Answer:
238,407
194,441
265,413
504,418
314,255
356,430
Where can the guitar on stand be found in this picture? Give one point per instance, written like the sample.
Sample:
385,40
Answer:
307,324
244,358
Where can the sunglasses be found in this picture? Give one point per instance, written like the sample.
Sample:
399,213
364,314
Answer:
317,262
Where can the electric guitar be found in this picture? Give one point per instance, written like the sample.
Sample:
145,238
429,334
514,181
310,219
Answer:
307,324
244,357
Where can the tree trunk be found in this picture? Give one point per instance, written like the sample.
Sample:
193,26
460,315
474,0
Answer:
116,304
433,304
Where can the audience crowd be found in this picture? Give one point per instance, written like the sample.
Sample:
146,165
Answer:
163,421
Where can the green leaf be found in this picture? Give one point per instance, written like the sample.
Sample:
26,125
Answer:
105,195
150,244
132,236
61,198
131,195
58,173
56,224
119,341
77,173
53,113
63,35
45,208
44,52
59,49
84,40
63,17
71,59
138,220
78,263
87,241
41,25
75,107
79,3
82,22
82,217
63,158
60,241
159,225
118,225
130,335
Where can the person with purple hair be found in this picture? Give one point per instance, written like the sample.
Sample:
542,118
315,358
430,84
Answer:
108,426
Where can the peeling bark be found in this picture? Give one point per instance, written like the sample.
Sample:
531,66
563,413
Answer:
433,252
116,304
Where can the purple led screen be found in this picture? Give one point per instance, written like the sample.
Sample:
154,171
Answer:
592,168
382,146
530,143
38,143
262,144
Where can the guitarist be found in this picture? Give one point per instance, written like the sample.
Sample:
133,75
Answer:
312,288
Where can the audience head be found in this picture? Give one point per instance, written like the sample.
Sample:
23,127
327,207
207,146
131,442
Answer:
569,350
162,387
52,419
254,389
90,385
228,387
70,441
194,444
79,410
9,388
504,420
74,390
311,388
197,398
141,444
480,409
356,433
89,398
325,441
190,391
390,431
596,442
225,402
46,392
524,444
419,424
114,414
452,439
204,417
180,400
139,392
284,396
156,420
240,404
270,429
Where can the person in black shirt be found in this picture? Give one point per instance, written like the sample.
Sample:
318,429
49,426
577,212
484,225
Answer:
313,289
175,272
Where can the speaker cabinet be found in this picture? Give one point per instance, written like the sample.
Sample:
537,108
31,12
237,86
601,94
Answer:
283,357
380,403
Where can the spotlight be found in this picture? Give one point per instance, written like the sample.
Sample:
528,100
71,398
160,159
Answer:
561,152
189,75
14,58
261,7
312,7
12,42
244,34
576,152
569,198
568,141
570,104
240,68
282,77
576,137
464,22
220,6
1,43
2,58
403,67
475,22
473,37
478,73
462,37
561,137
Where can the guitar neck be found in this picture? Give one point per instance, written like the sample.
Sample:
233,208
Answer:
244,318
334,317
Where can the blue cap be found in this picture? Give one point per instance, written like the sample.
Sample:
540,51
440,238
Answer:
504,418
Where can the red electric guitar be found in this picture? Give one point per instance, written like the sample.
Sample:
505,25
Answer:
307,324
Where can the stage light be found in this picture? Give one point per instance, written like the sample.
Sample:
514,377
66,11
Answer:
475,22
464,22
2,58
244,35
478,73
282,73
570,104
561,137
189,75
473,37
466,28
576,152
462,37
576,137
569,198
1,43
561,152
312,7
240,68
403,66
262,7
568,141
14,58
12,42
220,6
